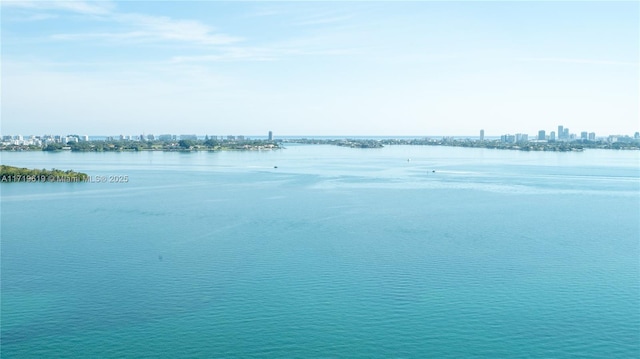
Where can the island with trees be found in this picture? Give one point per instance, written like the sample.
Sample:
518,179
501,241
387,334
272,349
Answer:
9,174
554,146
163,145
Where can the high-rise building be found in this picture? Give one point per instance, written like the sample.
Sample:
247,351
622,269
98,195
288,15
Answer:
552,136
592,136
270,136
560,132
481,135
584,135
565,134
542,135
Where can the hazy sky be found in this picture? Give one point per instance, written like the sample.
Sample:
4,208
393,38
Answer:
319,68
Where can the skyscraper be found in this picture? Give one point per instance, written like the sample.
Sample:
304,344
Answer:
542,135
560,132
270,136
481,135
552,136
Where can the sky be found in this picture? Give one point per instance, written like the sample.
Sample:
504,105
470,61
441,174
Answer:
333,68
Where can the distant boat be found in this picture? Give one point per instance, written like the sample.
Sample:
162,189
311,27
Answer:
275,166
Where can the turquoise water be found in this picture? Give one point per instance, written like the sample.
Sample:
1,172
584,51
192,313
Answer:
336,253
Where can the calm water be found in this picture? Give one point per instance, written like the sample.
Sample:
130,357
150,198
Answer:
336,253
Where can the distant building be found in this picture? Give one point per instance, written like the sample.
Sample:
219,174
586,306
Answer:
635,135
188,137
542,135
151,137
481,135
522,137
508,138
584,135
231,138
270,136
592,136
165,137
552,136
85,138
560,132
565,134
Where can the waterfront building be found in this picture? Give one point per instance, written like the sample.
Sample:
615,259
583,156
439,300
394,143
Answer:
592,136
552,136
560,132
522,137
231,138
481,135
188,137
542,135
508,138
584,135
270,136
565,134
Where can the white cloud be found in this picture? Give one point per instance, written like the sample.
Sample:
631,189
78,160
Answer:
139,27
165,28
260,54
82,7
156,28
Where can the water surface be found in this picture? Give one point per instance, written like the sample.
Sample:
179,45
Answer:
337,252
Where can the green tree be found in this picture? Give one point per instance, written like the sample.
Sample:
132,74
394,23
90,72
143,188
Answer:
186,144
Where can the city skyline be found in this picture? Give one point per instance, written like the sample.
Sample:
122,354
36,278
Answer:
563,134
325,69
